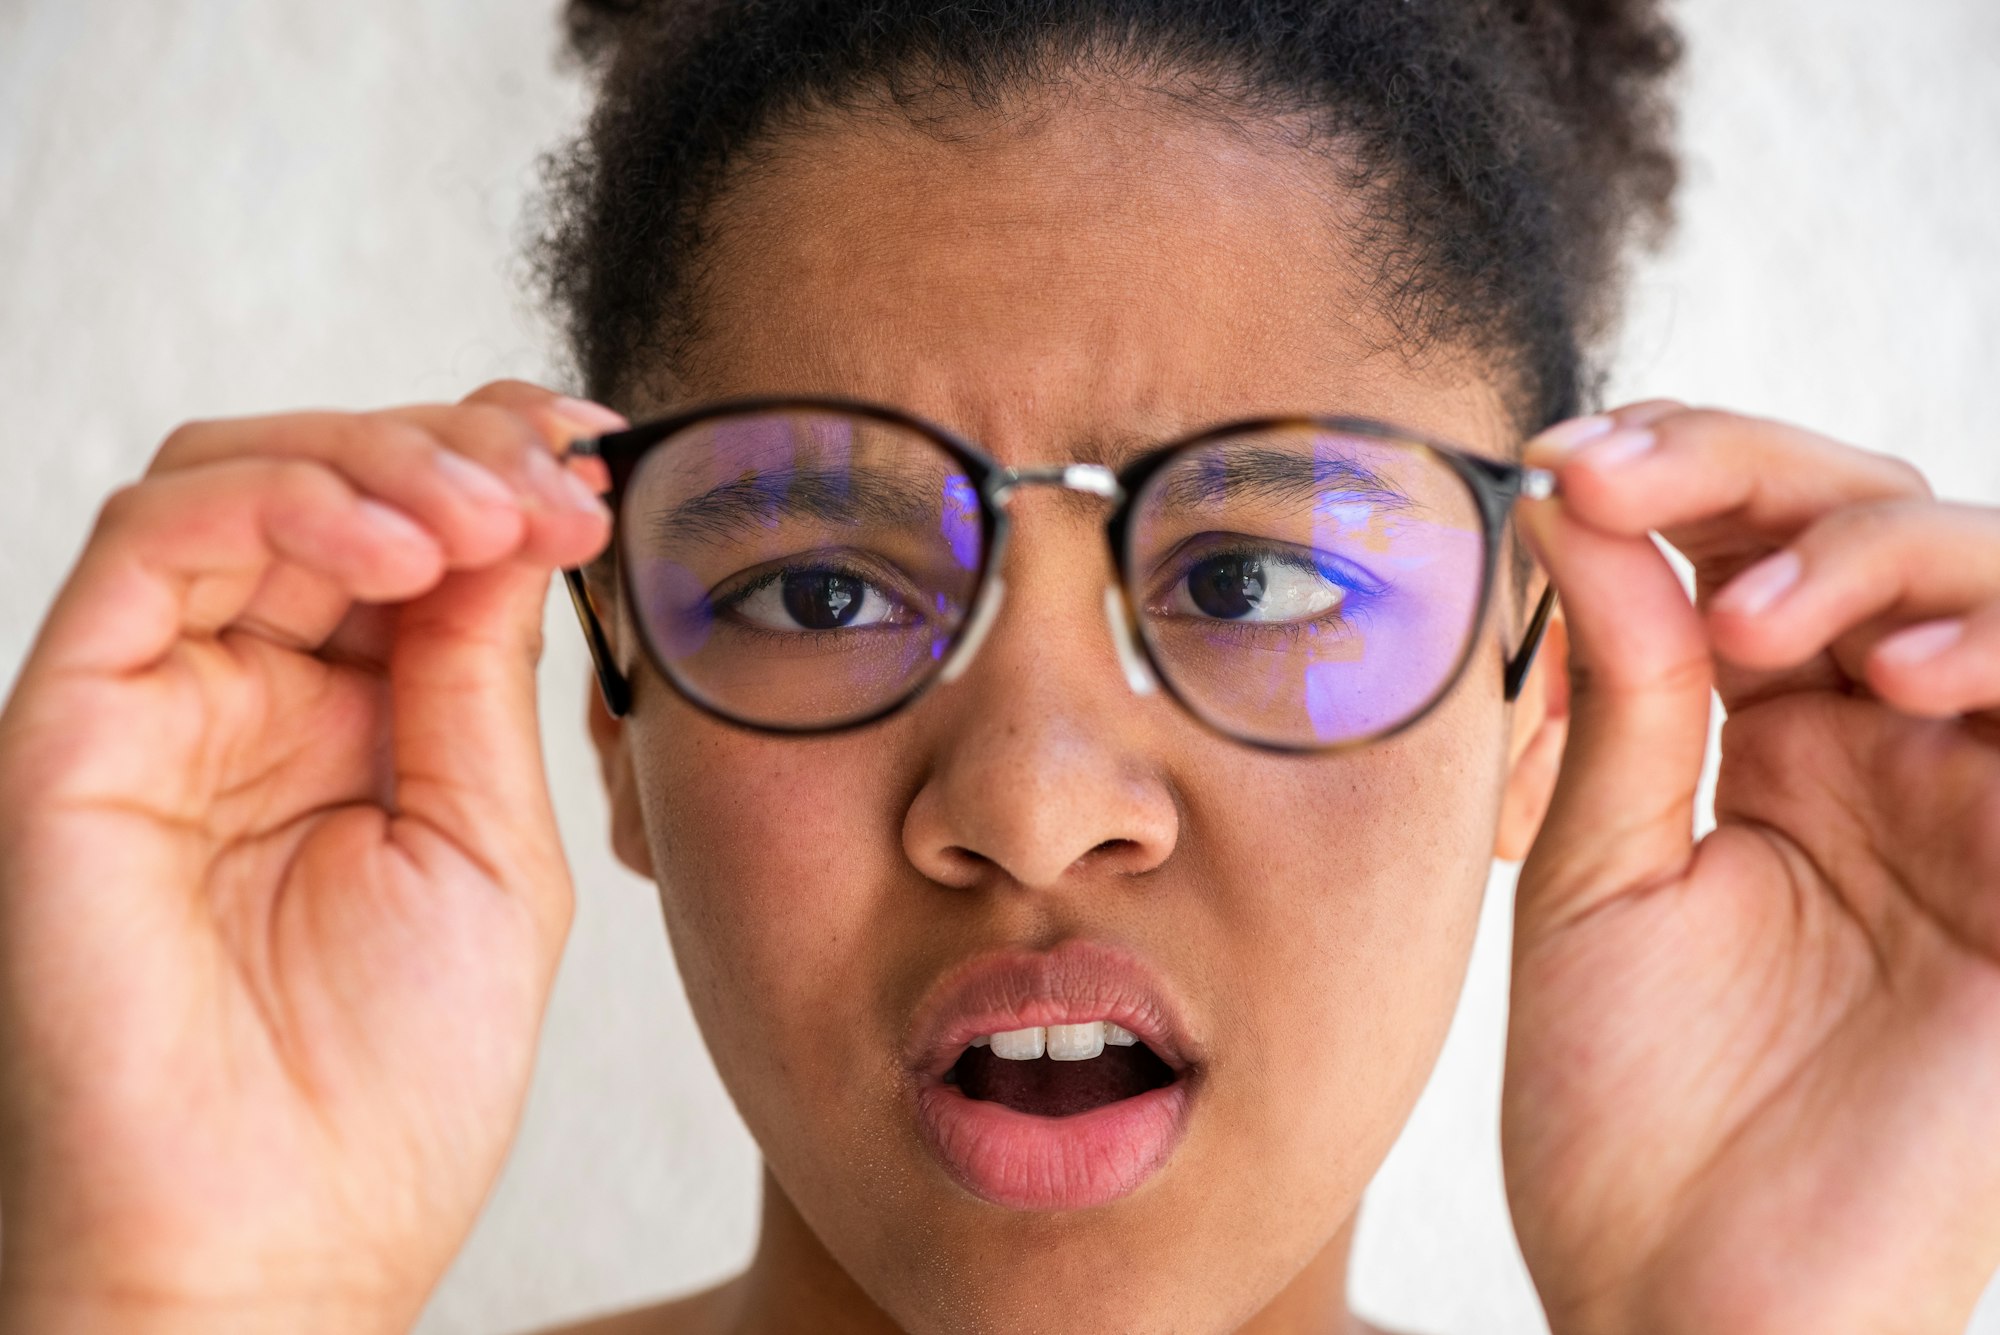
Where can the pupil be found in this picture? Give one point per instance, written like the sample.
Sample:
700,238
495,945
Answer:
1228,587
821,599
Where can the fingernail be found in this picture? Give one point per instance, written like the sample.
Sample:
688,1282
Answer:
1756,589
557,487
545,479
1920,644
581,496
390,523
590,416
1616,450
476,484
1560,439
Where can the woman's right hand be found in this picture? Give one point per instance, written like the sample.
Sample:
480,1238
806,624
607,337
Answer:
281,895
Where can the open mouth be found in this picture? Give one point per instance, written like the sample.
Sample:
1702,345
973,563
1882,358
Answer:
1053,1080
1059,1070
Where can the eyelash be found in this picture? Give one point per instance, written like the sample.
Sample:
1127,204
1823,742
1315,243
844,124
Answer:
1361,588
736,597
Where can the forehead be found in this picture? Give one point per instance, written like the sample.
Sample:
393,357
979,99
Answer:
1072,280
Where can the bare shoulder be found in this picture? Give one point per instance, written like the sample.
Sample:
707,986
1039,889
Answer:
708,1312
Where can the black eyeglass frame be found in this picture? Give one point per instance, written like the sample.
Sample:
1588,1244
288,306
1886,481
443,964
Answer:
1495,486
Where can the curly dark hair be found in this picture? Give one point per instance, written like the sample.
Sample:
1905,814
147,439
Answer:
1509,152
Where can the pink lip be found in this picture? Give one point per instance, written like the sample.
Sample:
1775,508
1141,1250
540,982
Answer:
1022,1161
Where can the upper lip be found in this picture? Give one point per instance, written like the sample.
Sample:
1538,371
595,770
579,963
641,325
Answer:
1074,983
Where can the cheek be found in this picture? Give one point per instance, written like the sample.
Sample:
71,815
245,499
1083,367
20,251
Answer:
777,860
1358,882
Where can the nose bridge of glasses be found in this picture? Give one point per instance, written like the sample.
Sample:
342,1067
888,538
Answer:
1090,479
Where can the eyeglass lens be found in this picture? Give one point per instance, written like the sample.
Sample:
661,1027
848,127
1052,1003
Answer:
1305,587
1296,586
801,569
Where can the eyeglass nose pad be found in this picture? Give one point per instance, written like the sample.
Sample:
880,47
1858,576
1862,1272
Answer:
975,634
1138,673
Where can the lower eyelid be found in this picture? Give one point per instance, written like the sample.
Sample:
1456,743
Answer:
899,606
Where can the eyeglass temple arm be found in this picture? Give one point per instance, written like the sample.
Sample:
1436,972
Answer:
617,688
1516,675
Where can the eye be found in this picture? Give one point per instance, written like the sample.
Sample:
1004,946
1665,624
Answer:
1255,586
816,598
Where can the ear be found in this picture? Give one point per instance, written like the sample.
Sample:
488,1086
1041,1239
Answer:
614,765
1541,726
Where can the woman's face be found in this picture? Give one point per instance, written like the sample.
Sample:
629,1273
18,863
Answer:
1295,929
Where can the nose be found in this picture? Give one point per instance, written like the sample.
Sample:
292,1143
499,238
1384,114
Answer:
1046,766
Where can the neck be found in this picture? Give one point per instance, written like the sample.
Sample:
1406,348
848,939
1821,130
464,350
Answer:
795,1287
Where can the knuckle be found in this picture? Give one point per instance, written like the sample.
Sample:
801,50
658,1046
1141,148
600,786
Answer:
398,438
121,508
358,436
506,390
1698,432
496,430
347,437
1675,676
1901,476
183,445
1688,674
302,484
1868,524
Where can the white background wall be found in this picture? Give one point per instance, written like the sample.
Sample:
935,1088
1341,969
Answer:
219,206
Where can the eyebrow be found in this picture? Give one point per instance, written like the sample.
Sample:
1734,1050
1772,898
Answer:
847,496
1250,472
857,497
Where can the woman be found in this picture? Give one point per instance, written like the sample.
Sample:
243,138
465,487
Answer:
938,826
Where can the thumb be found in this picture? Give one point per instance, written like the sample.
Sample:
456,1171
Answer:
467,753
1622,816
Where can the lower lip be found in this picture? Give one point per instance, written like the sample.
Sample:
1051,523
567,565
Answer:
1024,1162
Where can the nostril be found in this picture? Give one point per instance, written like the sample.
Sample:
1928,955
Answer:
1110,853
962,867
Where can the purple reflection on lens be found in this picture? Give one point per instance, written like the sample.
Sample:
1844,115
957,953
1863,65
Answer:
1346,512
675,607
1325,685
959,521
832,436
777,451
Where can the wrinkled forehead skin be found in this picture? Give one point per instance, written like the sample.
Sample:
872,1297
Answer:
863,254
1075,285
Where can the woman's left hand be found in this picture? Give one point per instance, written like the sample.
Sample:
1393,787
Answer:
1753,1082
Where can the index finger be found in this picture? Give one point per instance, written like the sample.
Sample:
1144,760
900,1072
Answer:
1716,484
560,419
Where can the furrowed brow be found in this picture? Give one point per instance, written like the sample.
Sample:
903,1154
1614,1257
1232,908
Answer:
1249,472
848,497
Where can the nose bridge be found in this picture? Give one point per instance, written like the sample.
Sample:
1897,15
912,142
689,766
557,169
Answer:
1043,769
1087,479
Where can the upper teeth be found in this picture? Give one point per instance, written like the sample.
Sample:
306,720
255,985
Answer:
1062,1042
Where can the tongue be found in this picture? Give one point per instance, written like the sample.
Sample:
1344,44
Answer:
1058,1089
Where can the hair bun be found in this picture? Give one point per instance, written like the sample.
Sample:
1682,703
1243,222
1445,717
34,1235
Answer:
1607,65
596,27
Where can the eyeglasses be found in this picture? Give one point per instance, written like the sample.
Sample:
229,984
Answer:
806,565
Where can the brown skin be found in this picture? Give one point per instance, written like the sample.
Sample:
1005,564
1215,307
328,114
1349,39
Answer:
1108,280
283,894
